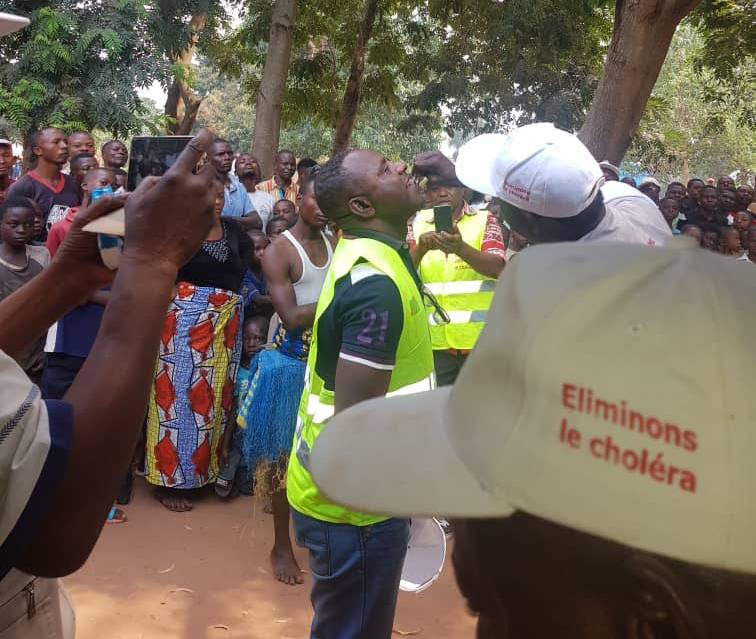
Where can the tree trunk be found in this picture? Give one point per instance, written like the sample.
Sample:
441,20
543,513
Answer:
182,104
353,92
270,95
643,30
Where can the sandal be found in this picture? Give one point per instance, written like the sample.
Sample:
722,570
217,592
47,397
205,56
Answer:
116,516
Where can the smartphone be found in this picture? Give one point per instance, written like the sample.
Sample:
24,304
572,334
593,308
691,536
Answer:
442,217
153,155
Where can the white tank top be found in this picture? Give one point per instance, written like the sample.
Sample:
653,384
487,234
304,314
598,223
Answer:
307,288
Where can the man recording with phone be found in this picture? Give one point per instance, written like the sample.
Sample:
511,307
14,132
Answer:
459,253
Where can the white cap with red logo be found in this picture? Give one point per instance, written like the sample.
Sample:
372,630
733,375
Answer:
537,168
584,403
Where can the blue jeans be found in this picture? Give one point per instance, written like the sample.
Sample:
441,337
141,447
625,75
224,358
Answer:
355,572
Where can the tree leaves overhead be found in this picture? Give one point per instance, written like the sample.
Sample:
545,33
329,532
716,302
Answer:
233,117
324,39
79,65
499,64
728,29
696,120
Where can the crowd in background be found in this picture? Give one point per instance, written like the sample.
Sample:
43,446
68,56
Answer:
212,379
716,212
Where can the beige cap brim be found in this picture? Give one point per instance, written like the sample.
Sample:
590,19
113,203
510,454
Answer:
111,224
10,23
391,456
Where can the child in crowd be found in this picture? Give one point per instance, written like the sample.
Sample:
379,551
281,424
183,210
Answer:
255,335
276,226
253,289
729,242
39,226
750,247
743,222
94,179
670,209
710,237
119,180
286,210
694,231
19,263
81,165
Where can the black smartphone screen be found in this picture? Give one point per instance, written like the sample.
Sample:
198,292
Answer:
153,156
442,217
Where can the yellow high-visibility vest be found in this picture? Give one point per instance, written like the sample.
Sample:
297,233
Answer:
412,373
464,293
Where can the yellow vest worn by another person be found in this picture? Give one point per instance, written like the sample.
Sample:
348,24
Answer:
413,372
462,292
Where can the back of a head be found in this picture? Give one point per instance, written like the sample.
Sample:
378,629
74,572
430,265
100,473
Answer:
306,163
331,184
541,579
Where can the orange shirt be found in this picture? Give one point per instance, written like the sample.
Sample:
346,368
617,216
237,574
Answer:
270,186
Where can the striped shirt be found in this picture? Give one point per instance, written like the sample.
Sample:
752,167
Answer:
271,186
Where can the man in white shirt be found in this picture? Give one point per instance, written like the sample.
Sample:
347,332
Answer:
248,171
551,188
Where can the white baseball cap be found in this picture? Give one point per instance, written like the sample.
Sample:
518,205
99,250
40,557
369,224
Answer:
650,180
537,168
9,23
584,403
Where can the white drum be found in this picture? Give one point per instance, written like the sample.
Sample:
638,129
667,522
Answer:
426,553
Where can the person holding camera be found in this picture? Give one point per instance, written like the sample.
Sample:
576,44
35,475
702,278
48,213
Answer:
62,461
459,253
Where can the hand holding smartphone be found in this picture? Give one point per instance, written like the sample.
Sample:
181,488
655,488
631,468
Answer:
442,218
153,156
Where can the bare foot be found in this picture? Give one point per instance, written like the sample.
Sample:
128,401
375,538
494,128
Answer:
285,566
173,500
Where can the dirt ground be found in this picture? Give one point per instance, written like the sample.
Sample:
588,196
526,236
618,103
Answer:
205,575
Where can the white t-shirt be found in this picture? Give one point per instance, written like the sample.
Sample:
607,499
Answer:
631,217
263,203
35,437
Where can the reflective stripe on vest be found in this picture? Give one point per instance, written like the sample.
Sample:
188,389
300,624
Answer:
461,288
461,291
461,317
412,372
319,412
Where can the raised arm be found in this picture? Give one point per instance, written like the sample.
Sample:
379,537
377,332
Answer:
166,221
278,279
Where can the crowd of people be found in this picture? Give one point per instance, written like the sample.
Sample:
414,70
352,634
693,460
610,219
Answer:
716,213
265,320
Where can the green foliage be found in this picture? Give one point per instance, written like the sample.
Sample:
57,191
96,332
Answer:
322,49
231,113
728,33
79,65
498,64
697,119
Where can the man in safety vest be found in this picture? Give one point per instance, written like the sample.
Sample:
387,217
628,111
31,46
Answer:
370,339
460,268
